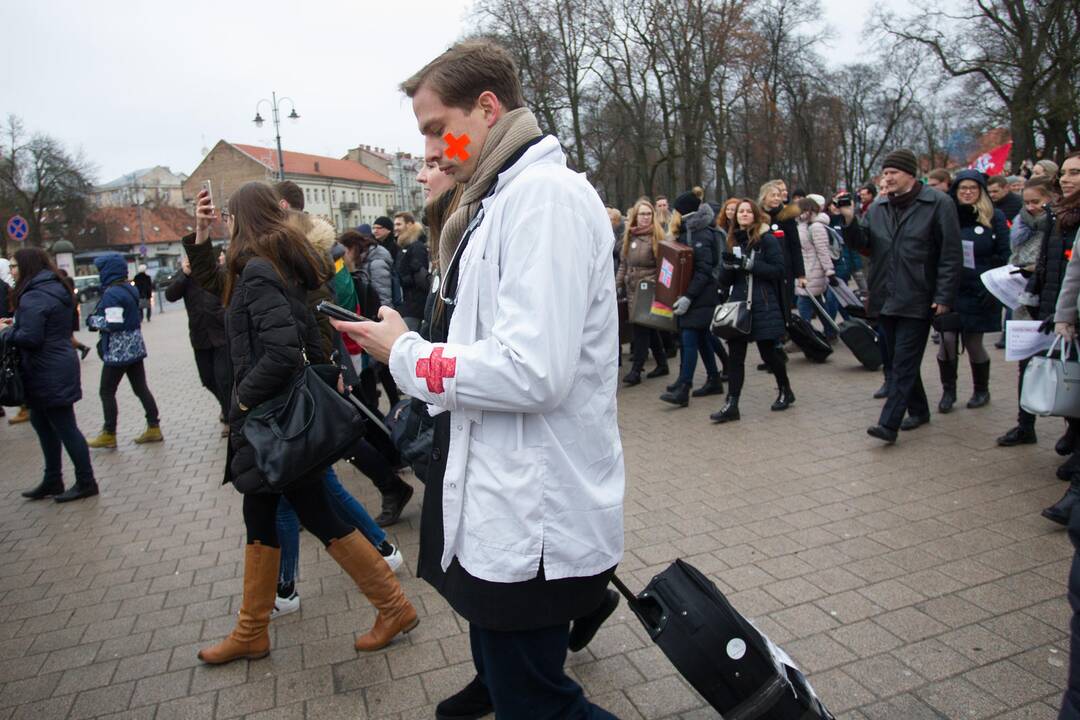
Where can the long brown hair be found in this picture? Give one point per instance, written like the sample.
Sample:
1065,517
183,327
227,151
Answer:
31,261
723,222
753,234
631,223
262,229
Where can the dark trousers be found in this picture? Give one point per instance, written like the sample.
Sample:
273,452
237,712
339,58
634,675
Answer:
110,381
372,462
56,427
695,342
215,373
312,505
906,340
645,339
886,356
1070,704
523,672
737,363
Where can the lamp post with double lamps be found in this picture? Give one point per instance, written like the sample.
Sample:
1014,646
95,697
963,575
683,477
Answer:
273,103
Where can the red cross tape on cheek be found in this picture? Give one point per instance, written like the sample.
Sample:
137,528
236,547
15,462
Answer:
435,369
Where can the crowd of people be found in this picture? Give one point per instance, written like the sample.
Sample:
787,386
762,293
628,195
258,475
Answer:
499,344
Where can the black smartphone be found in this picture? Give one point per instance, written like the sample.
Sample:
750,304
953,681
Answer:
339,313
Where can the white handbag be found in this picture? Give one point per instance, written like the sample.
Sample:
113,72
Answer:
1052,385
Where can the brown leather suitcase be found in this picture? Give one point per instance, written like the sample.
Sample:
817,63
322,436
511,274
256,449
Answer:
676,268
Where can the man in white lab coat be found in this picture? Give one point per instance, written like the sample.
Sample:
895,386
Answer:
522,521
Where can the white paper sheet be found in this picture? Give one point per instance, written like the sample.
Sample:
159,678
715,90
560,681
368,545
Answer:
1023,339
114,314
969,253
1005,284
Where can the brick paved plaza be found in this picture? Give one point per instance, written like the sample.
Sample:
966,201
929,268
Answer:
911,582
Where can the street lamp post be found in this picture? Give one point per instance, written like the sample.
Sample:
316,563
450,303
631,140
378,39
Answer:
273,103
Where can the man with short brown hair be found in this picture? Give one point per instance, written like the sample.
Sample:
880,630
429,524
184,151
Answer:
1008,202
939,179
291,194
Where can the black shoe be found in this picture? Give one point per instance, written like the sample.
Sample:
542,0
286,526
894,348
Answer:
679,396
632,378
935,338
911,422
471,703
764,367
948,399
672,353
784,400
1019,435
393,503
1066,444
882,392
712,386
1068,468
978,399
882,433
1062,510
77,492
584,628
729,413
658,371
47,488
83,352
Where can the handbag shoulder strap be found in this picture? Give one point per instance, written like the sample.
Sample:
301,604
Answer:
750,284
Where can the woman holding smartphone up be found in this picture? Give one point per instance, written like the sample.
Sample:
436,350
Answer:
269,268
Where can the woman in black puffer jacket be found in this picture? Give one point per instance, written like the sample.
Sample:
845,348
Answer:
753,253
269,269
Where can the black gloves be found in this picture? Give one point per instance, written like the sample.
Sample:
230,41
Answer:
834,281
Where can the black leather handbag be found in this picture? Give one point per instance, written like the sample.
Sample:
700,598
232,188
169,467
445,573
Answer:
732,320
947,322
12,393
308,427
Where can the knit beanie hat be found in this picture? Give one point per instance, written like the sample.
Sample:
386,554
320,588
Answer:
365,230
687,203
902,160
385,222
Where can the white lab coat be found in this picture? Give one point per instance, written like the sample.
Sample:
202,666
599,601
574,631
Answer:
535,464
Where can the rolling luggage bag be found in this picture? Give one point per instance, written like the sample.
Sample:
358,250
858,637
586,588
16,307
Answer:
735,668
813,344
848,300
859,337
676,269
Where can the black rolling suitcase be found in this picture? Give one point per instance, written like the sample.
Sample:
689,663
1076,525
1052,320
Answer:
857,334
735,668
813,344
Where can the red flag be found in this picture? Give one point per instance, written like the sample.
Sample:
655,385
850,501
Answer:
993,162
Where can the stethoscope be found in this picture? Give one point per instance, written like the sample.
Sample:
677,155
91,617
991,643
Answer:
458,252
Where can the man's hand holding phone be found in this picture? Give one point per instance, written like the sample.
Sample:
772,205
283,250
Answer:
377,338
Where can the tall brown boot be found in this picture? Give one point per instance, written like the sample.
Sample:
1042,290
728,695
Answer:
250,638
376,580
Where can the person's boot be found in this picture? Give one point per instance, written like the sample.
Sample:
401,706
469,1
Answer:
78,491
152,434
672,387
1062,510
47,488
20,417
713,386
1068,468
948,385
980,373
1066,444
633,377
882,392
888,435
659,371
394,502
250,638
584,628
471,703
376,581
679,396
105,440
728,413
1019,435
912,422
784,399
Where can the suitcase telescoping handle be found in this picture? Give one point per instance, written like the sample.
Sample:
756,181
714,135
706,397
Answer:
821,312
652,613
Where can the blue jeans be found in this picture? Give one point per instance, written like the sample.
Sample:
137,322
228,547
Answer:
694,342
345,506
807,310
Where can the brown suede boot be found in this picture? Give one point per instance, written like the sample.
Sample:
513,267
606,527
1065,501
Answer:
250,638
376,580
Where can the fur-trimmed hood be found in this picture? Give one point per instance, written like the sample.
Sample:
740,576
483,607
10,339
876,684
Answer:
790,211
321,235
411,233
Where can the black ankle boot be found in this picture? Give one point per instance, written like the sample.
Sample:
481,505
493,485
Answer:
679,396
1068,468
728,413
1066,444
632,378
1062,510
471,703
77,492
393,503
784,399
948,385
980,374
1019,435
882,392
47,488
672,387
712,386
658,371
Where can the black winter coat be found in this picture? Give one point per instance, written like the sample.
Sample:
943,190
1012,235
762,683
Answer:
5,300
783,223
978,308
697,233
264,322
768,320
144,285
412,265
915,254
1045,283
206,317
1010,206
42,332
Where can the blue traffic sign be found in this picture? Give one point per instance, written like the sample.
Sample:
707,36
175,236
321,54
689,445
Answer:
17,228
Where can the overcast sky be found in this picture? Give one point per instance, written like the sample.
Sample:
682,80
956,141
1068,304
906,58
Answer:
137,84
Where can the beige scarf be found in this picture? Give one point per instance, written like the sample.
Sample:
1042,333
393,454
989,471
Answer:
512,131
